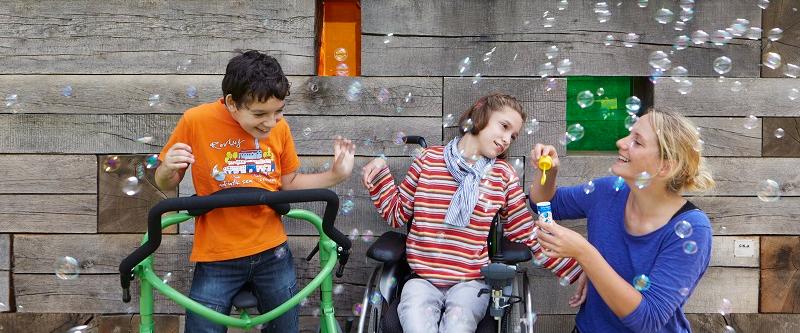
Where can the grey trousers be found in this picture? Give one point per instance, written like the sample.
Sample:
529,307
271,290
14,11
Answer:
424,308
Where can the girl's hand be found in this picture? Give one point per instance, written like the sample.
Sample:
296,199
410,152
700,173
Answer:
540,150
343,157
580,293
371,170
561,242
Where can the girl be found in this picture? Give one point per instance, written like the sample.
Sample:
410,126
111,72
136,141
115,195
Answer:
452,193
648,246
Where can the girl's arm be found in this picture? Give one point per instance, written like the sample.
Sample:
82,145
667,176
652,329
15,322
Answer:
395,204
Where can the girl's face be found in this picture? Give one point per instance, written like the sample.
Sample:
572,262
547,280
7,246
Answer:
638,152
501,130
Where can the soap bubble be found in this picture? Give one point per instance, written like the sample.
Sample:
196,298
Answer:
562,4
763,4
476,78
67,91
600,91
699,37
686,4
753,33
383,95
686,15
340,54
690,247
729,329
154,100
368,236
191,92
642,3
609,40
725,306
519,166
67,268
588,187
280,252
660,59
342,69
641,282
449,120
740,26
357,308
551,84
575,132
585,99
680,25
111,164
11,100
775,34
736,86
399,138
546,69
531,126
131,186
551,52
683,229
464,66
79,329
630,120
721,37
794,93
769,191
338,289
183,65
664,16
685,86
643,180
684,291
630,39
307,132
347,207
167,277
681,42
678,73
388,38
772,60
603,14
564,66
791,70
722,65
375,298
467,126
750,122
779,133
354,91
151,161
633,104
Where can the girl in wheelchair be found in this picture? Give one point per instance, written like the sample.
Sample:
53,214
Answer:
451,193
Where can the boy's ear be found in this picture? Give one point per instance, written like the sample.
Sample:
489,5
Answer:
229,103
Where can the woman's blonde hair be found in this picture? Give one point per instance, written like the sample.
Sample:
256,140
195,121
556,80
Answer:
679,143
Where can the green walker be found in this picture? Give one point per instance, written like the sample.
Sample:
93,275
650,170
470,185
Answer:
332,245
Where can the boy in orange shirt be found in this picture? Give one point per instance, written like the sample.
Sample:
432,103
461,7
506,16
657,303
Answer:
242,140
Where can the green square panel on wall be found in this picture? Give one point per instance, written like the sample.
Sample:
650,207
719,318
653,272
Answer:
603,120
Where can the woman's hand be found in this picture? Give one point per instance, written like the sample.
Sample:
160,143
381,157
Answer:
561,242
580,293
370,170
540,150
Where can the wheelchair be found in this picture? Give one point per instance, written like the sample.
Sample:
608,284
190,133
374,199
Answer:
510,307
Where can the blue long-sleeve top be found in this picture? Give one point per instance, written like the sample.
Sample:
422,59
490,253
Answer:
673,272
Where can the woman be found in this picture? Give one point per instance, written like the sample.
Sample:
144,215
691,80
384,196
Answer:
648,246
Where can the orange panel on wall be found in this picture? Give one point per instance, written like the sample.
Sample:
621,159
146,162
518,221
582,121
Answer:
340,47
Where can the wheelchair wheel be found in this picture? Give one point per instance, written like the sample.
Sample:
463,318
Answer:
526,318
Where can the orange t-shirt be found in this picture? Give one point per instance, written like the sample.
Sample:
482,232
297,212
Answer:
226,156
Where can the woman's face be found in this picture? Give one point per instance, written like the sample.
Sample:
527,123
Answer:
638,152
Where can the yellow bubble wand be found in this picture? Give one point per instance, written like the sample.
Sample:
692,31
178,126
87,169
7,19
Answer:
545,163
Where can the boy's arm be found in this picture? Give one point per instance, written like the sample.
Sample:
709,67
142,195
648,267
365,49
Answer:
343,160
171,171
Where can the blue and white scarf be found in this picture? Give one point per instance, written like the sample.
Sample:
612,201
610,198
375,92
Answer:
468,177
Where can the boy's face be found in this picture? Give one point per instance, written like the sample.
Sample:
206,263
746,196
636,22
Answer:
257,118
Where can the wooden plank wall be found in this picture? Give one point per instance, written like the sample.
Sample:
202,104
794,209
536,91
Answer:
116,54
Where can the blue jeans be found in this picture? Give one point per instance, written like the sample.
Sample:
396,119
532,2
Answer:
272,274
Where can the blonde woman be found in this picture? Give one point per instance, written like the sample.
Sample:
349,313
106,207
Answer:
648,246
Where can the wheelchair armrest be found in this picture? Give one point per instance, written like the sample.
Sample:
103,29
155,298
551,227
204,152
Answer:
389,247
514,252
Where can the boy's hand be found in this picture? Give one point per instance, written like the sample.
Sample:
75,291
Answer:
540,150
178,157
371,170
343,157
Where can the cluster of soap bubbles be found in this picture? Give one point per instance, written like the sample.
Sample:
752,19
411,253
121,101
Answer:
131,184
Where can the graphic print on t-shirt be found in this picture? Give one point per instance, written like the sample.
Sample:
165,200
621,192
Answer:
245,166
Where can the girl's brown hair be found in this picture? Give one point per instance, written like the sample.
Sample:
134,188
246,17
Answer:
480,112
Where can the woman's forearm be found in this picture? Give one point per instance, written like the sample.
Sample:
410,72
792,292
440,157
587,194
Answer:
618,294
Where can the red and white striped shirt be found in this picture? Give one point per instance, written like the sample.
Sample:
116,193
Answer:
444,254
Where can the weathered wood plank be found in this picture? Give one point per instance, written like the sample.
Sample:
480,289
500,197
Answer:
5,291
431,37
130,323
739,285
119,211
788,144
780,281
727,172
34,174
43,94
548,106
65,213
147,37
781,14
117,134
723,252
5,252
761,97
727,137
43,322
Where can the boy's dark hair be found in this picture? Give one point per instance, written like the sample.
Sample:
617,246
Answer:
253,75
481,111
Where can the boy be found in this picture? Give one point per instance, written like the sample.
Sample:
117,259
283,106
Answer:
242,140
